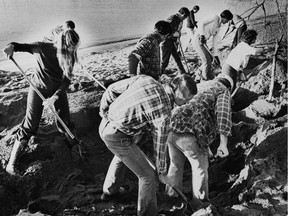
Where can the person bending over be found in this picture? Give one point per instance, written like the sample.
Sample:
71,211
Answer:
194,126
208,29
238,58
131,108
52,78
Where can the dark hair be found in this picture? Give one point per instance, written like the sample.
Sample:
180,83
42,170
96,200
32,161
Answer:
184,11
248,36
70,24
163,27
196,7
184,80
227,15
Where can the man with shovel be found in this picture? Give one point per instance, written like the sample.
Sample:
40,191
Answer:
169,45
131,108
206,30
193,128
238,58
49,83
146,53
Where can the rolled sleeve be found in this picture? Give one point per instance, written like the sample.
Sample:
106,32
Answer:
224,115
160,134
111,94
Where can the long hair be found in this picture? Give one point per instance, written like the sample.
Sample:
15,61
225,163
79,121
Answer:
67,46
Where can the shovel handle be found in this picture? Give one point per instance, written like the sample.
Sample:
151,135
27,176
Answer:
176,189
42,97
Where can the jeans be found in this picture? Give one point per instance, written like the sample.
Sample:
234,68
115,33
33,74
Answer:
127,153
205,56
168,48
182,146
30,124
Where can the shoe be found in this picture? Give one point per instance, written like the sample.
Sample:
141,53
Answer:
11,167
107,197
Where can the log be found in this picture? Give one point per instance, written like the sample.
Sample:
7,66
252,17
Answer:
273,69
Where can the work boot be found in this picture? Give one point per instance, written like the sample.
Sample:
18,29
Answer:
11,167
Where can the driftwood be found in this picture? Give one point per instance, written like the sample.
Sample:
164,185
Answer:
273,69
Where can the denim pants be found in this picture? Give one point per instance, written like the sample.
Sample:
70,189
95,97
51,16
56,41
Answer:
168,48
128,154
205,56
182,146
30,124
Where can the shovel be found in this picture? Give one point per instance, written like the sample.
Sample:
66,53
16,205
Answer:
194,203
216,60
71,135
182,52
93,78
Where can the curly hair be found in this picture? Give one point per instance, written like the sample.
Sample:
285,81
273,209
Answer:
249,36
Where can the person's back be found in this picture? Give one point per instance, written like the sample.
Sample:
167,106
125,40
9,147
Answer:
142,104
238,20
147,50
238,58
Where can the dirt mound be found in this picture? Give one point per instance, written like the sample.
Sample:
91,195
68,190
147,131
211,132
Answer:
56,181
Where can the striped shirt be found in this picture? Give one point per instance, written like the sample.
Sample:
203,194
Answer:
206,115
147,50
137,105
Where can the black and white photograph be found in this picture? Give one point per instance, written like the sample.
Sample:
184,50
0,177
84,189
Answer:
143,108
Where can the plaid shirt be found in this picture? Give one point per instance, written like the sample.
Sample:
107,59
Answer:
147,50
206,115
137,105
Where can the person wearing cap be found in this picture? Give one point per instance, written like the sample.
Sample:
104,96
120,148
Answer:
238,58
146,53
206,30
194,126
51,78
170,44
58,30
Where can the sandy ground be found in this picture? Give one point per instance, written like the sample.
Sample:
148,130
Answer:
57,182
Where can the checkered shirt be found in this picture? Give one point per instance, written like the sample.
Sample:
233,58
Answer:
137,105
206,115
147,50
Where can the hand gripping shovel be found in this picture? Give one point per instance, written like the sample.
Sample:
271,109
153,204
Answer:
74,138
194,203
